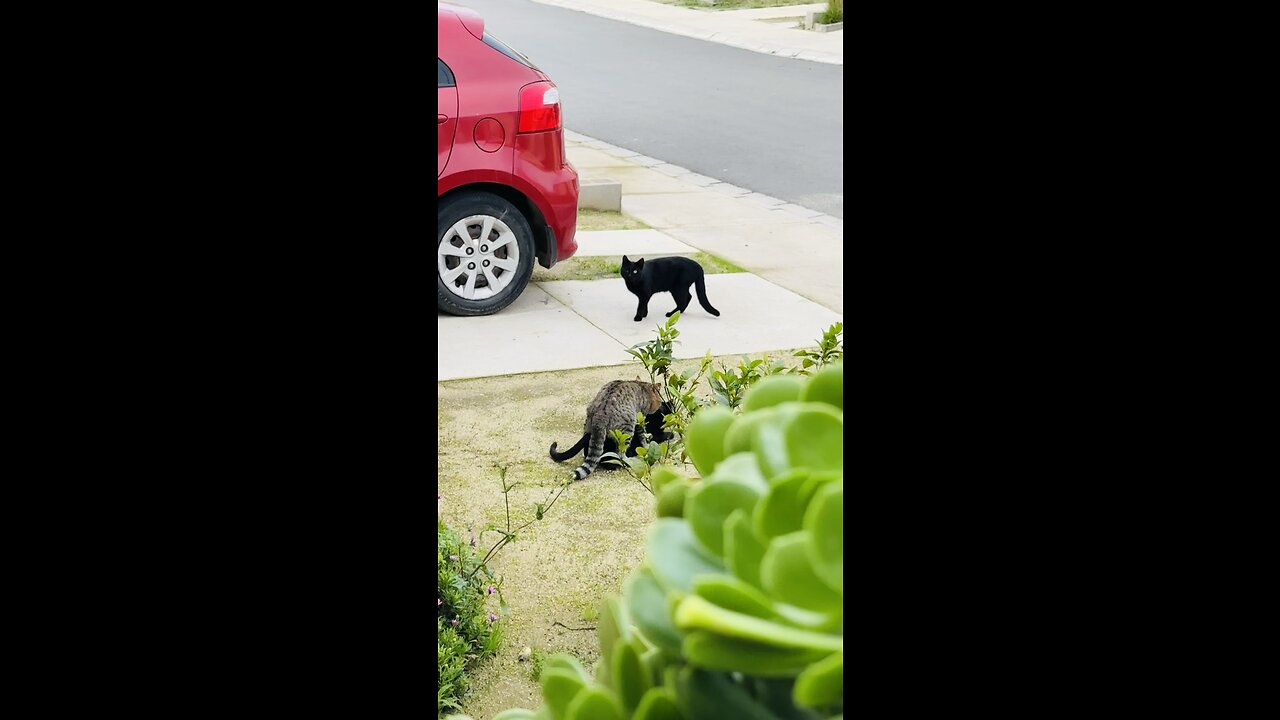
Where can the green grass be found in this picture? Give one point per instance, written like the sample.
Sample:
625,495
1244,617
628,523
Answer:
735,4
600,267
607,220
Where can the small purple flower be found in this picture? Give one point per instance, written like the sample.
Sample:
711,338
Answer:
454,621
439,602
493,618
453,557
491,589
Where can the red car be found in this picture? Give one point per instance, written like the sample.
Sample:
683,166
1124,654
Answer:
507,193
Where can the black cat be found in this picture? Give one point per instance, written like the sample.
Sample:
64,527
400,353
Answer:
652,425
665,274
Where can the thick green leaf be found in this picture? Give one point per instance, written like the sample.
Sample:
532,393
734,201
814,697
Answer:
788,576
595,703
733,594
743,551
559,688
516,714
704,441
799,434
658,704
654,660
775,694
675,555
647,606
769,438
824,522
832,621
630,678
716,652
815,438
741,435
826,386
663,475
782,510
709,505
772,391
697,613
711,694
566,662
740,468
672,496
822,683
613,624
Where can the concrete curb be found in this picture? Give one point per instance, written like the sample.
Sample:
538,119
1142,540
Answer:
600,194
722,38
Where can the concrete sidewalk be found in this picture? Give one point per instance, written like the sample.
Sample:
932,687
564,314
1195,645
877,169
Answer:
791,246
738,28
792,290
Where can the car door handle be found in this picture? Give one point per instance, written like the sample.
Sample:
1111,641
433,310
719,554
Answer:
440,119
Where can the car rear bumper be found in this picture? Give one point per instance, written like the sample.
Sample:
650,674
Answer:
551,181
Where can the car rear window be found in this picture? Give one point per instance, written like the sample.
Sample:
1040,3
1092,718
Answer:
507,50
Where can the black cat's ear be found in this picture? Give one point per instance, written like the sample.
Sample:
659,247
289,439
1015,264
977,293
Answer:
625,261
640,263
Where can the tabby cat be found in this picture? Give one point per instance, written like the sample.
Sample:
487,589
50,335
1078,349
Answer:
615,408
652,425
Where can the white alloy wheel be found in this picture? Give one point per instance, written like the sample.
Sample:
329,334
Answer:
478,257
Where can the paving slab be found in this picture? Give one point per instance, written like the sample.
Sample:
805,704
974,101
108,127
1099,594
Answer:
694,209
629,242
806,258
536,333
755,315
638,180
586,157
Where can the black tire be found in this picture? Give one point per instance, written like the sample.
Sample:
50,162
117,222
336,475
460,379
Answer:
466,205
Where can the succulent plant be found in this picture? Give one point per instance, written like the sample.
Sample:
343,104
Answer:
738,609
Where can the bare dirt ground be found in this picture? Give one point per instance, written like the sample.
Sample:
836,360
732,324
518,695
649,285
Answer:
564,566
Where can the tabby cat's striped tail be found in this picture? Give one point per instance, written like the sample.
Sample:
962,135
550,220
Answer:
594,451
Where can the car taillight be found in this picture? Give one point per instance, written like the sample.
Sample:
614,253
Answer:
539,107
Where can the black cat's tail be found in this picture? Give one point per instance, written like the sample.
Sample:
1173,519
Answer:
562,456
701,285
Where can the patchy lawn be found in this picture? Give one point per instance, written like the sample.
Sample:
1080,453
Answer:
589,220
563,566
596,267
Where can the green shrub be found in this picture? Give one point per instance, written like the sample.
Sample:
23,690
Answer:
738,609
467,632
833,14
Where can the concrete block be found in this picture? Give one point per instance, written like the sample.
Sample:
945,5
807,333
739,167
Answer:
600,194
828,28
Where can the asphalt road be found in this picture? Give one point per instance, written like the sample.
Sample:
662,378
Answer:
772,125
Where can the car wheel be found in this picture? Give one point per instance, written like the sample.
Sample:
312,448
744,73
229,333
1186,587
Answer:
484,254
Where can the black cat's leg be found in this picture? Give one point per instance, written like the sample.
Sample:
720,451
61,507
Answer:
682,298
642,308
682,302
